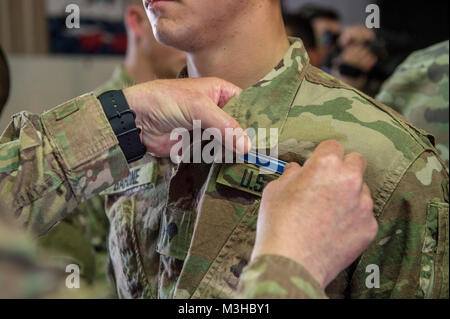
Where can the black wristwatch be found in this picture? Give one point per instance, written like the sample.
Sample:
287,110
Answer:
122,120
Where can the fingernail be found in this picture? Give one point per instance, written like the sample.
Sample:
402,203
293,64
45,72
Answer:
243,144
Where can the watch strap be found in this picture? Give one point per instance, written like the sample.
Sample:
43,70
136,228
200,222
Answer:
122,120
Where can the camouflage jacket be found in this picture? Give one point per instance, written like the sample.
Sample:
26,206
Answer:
187,231
419,90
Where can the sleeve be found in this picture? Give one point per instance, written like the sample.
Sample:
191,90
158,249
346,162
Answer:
277,277
49,164
409,257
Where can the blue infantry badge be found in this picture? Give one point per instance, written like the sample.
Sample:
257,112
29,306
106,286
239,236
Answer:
264,162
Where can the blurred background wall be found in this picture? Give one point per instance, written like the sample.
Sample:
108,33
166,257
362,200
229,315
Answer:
50,64
42,82
23,26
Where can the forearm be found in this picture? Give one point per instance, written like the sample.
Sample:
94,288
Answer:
51,163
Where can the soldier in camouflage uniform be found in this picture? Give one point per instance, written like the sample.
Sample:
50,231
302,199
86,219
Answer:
188,231
82,238
419,90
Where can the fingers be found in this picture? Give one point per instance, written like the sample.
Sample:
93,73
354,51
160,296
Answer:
218,90
223,92
212,117
366,202
227,92
327,150
356,161
366,205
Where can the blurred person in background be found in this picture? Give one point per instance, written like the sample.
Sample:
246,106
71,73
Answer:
419,89
344,52
318,27
82,238
365,58
298,26
356,58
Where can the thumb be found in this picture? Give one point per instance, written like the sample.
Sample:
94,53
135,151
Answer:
227,92
218,90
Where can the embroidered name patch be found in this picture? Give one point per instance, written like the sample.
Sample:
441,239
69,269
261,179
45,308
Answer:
139,176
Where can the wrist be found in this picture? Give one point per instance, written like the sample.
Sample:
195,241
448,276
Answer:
309,263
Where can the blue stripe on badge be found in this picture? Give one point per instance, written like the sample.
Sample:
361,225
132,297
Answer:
264,161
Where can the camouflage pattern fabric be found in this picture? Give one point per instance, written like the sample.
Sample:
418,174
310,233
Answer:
119,80
82,237
262,280
185,231
20,276
28,271
419,90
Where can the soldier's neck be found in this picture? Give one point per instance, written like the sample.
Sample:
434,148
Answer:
138,66
245,56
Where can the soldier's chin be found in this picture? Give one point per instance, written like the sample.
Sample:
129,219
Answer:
169,36
163,32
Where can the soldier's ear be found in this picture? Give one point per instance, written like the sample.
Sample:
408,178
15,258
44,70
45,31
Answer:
135,20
